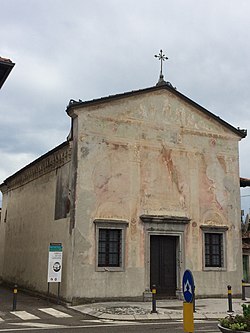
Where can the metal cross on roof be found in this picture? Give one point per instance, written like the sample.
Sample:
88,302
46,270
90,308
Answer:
162,58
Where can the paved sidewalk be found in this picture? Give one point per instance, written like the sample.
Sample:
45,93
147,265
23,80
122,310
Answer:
211,308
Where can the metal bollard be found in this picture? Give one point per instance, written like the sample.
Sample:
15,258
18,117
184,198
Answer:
14,297
153,299
194,300
243,290
229,295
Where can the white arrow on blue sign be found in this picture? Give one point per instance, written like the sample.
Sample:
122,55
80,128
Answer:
188,286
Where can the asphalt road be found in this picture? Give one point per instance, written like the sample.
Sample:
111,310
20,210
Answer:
113,327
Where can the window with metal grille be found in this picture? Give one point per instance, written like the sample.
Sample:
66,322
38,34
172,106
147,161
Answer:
214,250
109,248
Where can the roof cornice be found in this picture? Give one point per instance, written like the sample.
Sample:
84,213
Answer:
82,104
48,162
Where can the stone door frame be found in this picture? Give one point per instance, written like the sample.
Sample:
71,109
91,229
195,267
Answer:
166,226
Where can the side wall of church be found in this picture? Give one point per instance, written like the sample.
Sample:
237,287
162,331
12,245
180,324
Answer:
31,220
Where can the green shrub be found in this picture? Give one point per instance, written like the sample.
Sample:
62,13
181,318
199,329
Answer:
238,322
246,310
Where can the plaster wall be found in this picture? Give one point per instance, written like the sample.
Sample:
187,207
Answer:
26,232
154,154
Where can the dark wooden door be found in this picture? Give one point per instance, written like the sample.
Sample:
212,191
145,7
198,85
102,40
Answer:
163,264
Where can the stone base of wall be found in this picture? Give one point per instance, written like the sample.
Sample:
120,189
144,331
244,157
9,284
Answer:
147,296
83,300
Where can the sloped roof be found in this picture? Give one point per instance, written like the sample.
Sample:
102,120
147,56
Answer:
167,86
6,66
78,104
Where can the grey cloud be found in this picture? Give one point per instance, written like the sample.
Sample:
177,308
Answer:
89,49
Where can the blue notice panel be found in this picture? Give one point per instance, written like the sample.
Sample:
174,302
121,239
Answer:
188,286
55,247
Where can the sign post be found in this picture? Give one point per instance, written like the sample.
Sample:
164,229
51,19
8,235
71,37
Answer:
55,265
188,294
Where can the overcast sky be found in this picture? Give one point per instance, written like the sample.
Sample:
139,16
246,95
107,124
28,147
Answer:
85,49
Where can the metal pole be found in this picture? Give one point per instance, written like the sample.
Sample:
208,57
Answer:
243,290
14,298
229,295
194,301
58,292
48,293
153,299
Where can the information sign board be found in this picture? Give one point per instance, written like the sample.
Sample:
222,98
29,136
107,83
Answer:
55,262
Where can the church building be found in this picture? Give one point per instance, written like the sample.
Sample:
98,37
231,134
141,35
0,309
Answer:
145,187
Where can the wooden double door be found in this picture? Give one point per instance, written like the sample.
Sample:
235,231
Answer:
163,264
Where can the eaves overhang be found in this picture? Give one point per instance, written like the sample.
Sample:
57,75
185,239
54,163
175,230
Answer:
73,105
6,66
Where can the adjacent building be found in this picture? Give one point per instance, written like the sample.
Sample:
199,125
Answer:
146,186
6,66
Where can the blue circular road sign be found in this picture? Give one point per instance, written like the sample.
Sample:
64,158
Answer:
188,286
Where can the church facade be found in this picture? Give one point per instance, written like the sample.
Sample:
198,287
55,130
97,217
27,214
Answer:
146,186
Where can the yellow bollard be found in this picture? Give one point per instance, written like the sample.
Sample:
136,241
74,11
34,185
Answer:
153,299
14,298
188,317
